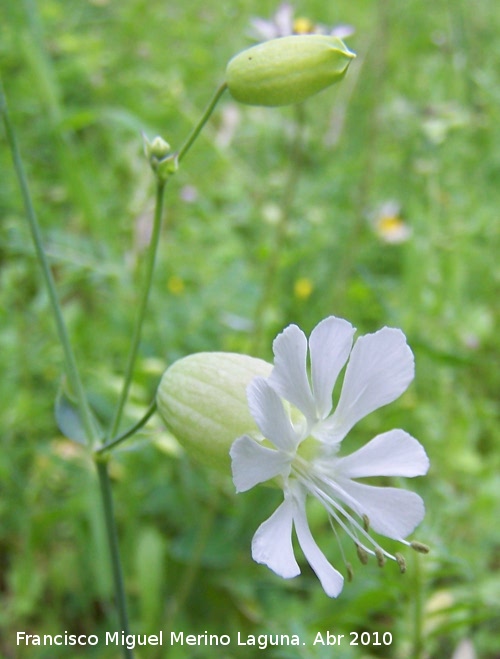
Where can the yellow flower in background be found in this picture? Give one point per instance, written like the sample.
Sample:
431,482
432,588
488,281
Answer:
302,25
389,225
303,288
175,285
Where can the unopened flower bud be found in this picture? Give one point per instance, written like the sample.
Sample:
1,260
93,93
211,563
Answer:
158,148
163,161
287,70
202,399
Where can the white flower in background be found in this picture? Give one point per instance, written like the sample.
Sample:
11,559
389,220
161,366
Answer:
283,24
301,437
389,225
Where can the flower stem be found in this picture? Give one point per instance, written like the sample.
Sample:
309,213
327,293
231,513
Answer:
107,500
134,348
131,431
418,640
199,126
71,365
151,262
70,361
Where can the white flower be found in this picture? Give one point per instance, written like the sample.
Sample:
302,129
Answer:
301,437
389,225
283,24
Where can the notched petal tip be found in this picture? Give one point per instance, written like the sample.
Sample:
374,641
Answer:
380,368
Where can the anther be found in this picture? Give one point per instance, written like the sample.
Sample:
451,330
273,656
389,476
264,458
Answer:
366,523
401,562
420,547
362,554
350,572
380,557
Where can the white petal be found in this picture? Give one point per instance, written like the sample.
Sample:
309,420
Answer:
329,344
267,409
289,375
380,369
253,463
272,542
393,453
283,18
331,580
392,512
264,29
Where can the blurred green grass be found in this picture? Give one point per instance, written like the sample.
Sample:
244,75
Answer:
415,121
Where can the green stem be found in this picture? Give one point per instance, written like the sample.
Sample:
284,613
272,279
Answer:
71,366
418,639
70,361
199,127
151,261
107,500
134,348
131,431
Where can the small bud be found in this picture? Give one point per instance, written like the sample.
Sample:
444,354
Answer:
420,547
401,562
158,148
287,70
202,399
163,161
362,554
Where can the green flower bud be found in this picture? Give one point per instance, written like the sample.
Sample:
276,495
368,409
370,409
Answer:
202,399
163,161
287,70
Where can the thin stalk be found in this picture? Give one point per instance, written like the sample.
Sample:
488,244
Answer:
134,348
71,366
418,614
131,431
151,260
112,533
72,371
199,126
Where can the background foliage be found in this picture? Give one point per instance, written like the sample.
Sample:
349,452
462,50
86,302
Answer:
261,230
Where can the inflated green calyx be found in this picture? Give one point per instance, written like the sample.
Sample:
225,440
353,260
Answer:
202,399
287,70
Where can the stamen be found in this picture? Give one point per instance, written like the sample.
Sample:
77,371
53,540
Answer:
350,572
420,547
332,526
362,554
324,489
380,557
331,505
401,562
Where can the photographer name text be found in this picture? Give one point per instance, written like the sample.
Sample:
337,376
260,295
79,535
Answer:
260,641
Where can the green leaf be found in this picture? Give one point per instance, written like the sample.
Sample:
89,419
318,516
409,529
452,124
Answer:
68,417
